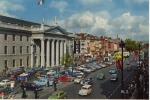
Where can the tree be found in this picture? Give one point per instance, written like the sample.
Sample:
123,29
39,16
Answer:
132,45
66,60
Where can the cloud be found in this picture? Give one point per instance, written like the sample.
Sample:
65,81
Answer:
7,6
93,2
60,5
126,25
130,26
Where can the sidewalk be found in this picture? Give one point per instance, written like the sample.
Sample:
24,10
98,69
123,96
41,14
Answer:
43,93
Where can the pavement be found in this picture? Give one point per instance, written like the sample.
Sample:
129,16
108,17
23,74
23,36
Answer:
17,94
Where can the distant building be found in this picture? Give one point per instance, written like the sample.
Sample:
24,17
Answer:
24,43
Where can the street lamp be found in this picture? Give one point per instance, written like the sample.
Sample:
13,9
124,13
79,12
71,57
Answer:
122,44
139,56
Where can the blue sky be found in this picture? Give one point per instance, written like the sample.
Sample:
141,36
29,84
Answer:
127,18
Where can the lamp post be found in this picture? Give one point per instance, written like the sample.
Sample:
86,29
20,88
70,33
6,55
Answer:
122,44
139,56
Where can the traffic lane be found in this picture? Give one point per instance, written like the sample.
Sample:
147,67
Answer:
73,89
127,78
109,87
117,94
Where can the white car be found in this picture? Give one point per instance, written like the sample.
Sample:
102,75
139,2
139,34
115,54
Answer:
85,90
78,79
6,82
88,70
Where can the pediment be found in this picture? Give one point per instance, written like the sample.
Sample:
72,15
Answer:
56,30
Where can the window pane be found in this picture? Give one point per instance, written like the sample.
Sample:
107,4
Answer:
5,36
13,49
20,38
13,37
5,50
21,49
13,62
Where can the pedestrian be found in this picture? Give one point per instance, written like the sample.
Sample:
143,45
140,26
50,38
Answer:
12,86
47,83
35,93
55,88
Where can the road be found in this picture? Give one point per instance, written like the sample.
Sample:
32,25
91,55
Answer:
102,89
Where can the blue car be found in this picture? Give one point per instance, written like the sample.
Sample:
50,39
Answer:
43,82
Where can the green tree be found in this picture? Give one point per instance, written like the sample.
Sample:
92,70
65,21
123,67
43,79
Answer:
132,45
66,60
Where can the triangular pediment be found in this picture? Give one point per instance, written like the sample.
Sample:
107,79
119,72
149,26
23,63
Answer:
56,30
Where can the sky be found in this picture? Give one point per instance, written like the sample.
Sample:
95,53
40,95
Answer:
127,18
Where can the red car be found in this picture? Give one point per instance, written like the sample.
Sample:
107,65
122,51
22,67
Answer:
66,79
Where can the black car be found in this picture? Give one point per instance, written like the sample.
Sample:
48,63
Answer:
32,86
86,81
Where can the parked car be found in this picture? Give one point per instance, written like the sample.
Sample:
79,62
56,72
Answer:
13,75
58,94
114,77
87,70
86,81
112,70
32,86
85,90
38,74
100,76
78,79
6,82
43,82
66,78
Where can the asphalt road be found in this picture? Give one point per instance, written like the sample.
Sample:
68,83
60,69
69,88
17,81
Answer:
102,89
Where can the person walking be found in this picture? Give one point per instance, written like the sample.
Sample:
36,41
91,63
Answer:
12,86
47,83
55,88
35,93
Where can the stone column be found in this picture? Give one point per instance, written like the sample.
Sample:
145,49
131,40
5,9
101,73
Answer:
52,53
65,47
38,55
42,53
48,53
57,52
32,53
61,50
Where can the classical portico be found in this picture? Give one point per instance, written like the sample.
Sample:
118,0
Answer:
48,47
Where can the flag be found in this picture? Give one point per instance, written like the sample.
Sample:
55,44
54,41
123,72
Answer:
41,2
118,65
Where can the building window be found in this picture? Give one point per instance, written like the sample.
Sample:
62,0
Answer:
13,37
5,36
27,49
21,49
5,63
14,63
20,62
20,38
27,38
13,49
5,50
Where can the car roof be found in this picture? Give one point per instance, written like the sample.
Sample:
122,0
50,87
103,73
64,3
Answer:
114,74
86,86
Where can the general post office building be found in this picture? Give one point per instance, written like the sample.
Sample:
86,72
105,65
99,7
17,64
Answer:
24,43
